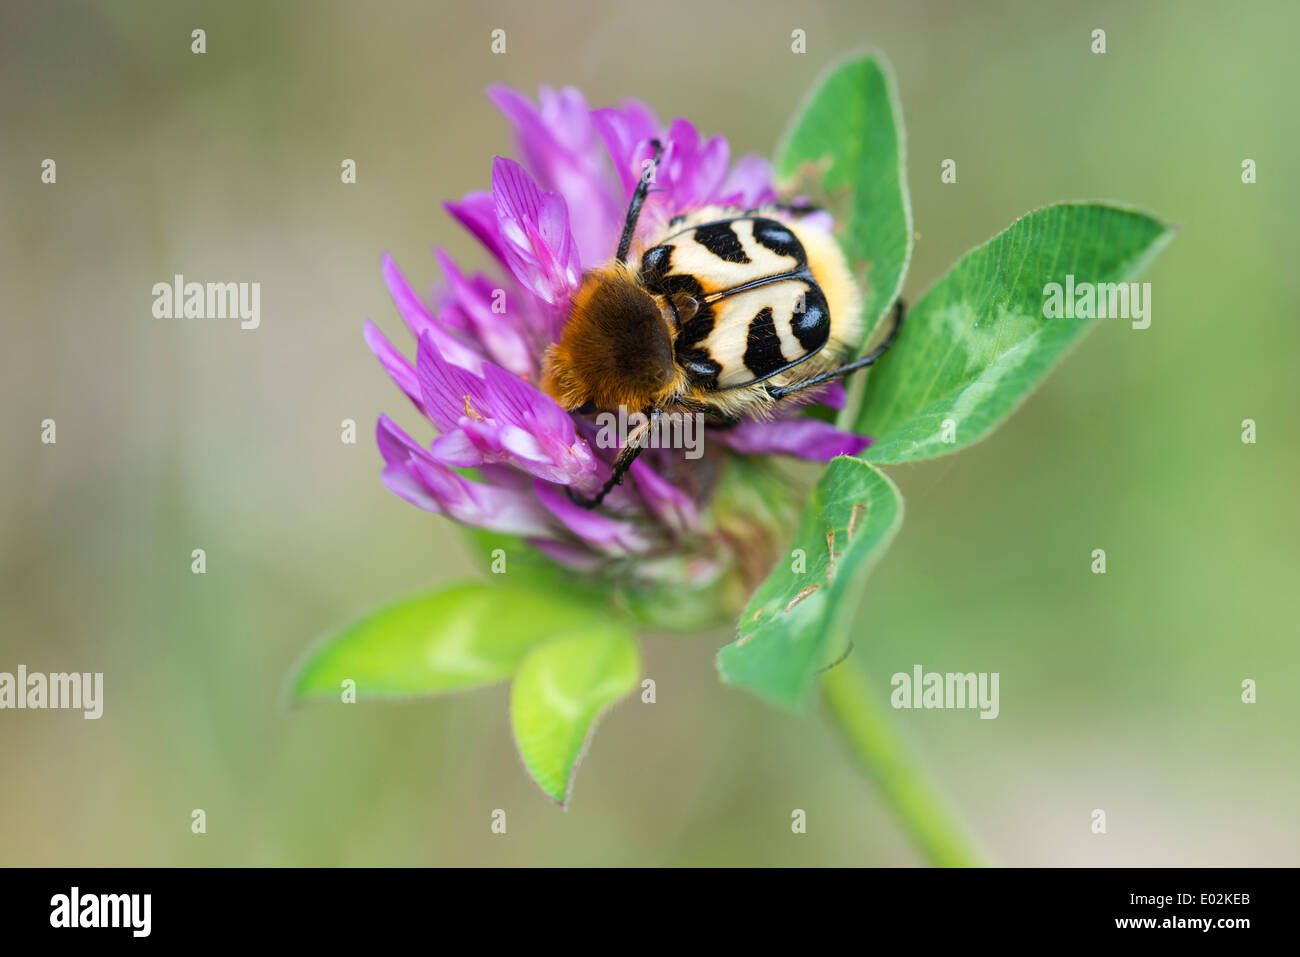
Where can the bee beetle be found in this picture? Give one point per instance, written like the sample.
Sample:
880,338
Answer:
732,313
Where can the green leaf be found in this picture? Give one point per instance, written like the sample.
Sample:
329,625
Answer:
467,636
790,630
977,343
559,692
845,149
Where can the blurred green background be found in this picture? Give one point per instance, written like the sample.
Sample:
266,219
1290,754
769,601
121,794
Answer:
1118,692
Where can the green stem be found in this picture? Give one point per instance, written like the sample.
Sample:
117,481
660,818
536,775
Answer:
874,739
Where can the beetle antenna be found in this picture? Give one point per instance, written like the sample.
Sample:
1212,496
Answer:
638,200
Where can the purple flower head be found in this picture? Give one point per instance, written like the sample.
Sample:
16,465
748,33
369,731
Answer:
481,343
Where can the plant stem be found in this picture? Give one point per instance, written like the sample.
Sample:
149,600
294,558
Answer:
873,737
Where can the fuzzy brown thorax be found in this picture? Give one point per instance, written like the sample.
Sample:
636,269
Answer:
616,348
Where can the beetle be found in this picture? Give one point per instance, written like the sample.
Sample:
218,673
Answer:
731,313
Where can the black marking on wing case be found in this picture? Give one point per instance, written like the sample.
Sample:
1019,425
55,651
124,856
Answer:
779,238
812,326
772,233
762,346
655,262
700,366
721,240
